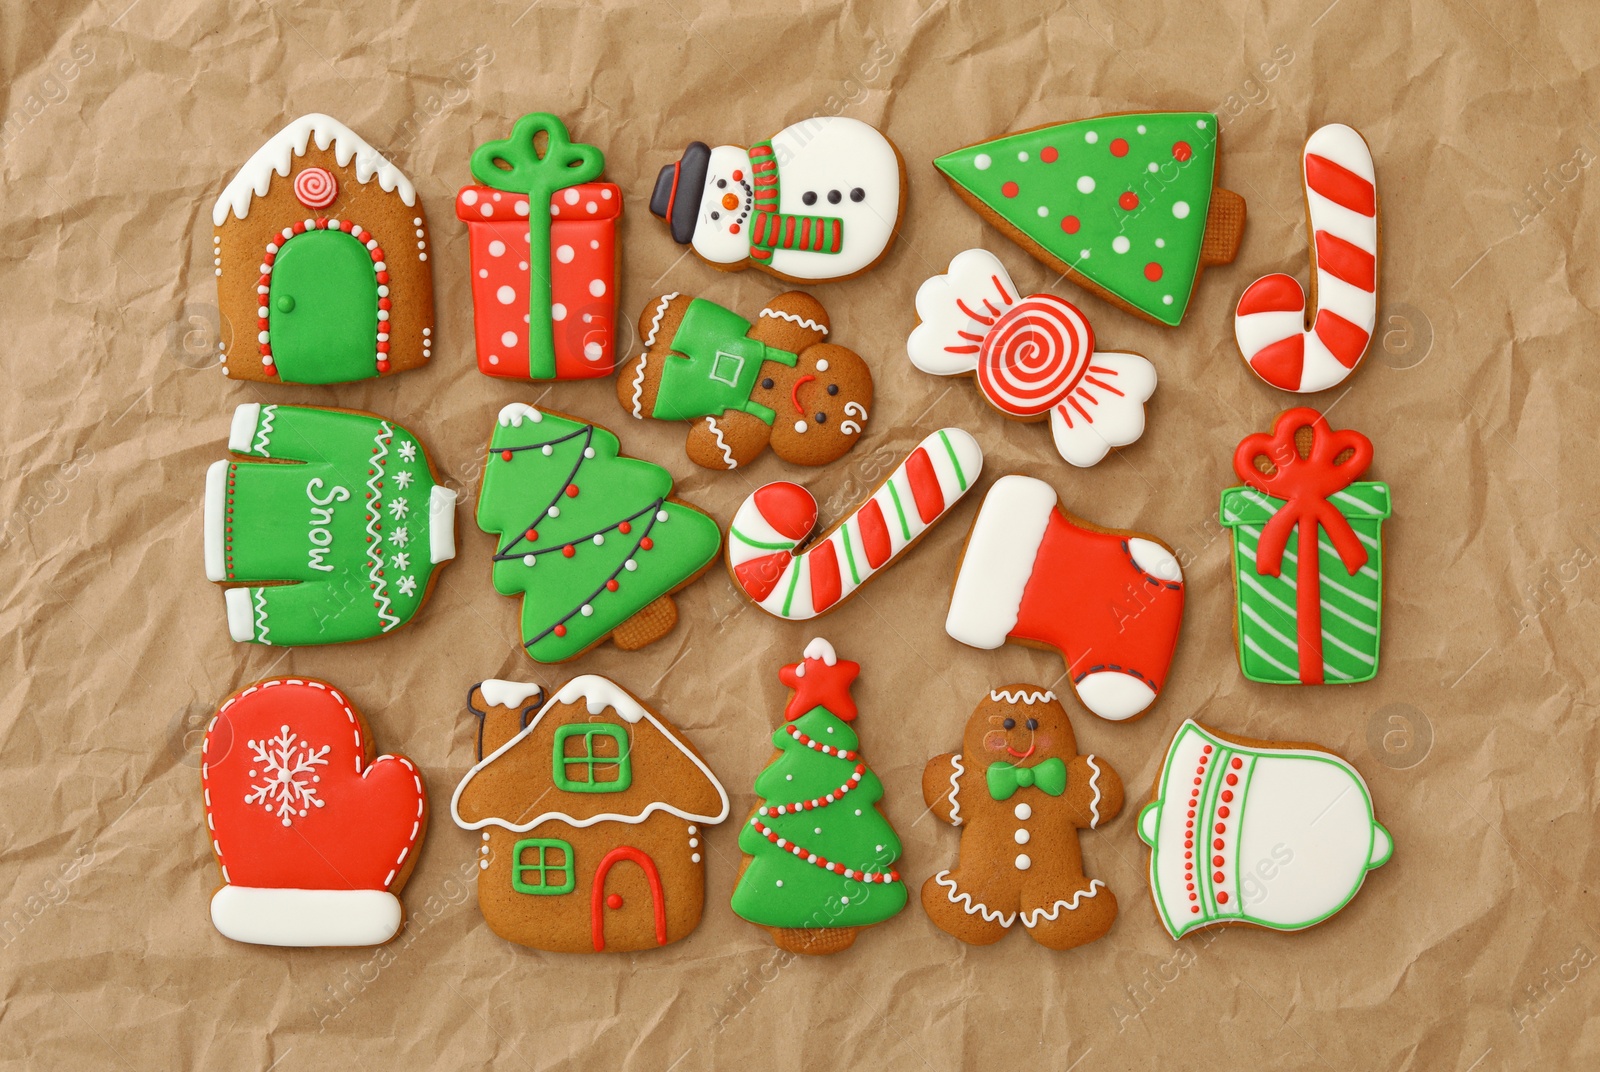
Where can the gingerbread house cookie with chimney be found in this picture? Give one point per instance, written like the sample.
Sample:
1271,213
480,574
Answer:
321,256
592,811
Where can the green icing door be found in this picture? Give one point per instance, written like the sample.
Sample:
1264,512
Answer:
322,318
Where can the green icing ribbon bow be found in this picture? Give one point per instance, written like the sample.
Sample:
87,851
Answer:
515,165
1049,776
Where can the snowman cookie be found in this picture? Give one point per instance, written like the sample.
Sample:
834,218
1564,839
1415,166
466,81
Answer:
1270,834
818,201
1020,792
746,386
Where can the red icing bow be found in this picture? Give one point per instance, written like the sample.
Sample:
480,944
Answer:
823,680
1305,485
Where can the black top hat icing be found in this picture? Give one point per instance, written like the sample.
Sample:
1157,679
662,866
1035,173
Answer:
676,197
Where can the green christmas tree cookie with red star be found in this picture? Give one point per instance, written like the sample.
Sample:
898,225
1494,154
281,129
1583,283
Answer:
1124,204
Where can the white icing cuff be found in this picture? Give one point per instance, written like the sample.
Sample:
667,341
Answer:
288,917
245,419
999,560
1155,560
216,512
1115,696
241,623
441,525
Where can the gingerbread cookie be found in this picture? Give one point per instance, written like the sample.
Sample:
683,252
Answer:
1020,793
321,255
747,386
772,526
592,541
1321,625
1305,346
818,201
314,836
593,811
1123,204
1109,601
819,853
1032,357
543,231
328,526
1271,834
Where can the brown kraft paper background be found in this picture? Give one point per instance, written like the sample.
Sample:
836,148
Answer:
1474,948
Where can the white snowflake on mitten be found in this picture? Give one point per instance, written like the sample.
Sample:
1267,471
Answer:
402,479
399,508
289,775
407,585
408,451
400,536
401,561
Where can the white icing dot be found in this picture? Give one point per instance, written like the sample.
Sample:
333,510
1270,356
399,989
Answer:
522,207
822,366
693,829
1091,137
591,208
528,560
1180,209
508,338
522,266
1161,243
587,610
858,811
588,452
1023,811
1043,211
506,295
599,538
483,273
982,161
844,900
1201,123
554,511
558,311
1083,254
494,359
780,882
694,857
800,427
661,516
1022,157
496,248
816,830
1140,128
594,243
497,197
1166,299
564,253
1086,185
630,565
1023,863
1021,837
555,210
788,777
1120,243
597,287
547,450
486,209
593,351
469,197
587,317
1153,167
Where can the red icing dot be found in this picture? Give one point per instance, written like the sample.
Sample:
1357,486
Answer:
1197,781
567,551
1232,779
1070,224
1194,909
1119,147
1009,189
572,491
1218,845
737,174
611,585
1222,898
383,366
1227,794
1048,154
1222,813
560,630
1181,151
505,455
1237,763
625,528
1152,272
1222,828
1206,750
614,900
1219,877
648,543
1129,200
533,534
1216,861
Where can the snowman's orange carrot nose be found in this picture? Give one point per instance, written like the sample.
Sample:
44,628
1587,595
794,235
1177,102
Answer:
730,202
794,392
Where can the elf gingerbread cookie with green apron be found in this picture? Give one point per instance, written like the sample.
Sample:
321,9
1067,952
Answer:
745,386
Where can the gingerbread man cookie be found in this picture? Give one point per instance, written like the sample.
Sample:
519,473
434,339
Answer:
1020,792
746,386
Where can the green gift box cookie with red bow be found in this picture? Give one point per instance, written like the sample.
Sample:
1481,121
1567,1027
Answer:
1302,502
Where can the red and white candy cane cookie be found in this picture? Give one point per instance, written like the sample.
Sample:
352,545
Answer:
1032,357
1271,321
775,522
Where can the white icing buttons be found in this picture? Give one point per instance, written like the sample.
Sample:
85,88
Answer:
1021,837
1022,811
1023,863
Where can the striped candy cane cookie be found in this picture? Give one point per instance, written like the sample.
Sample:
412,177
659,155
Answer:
1270,323
764,541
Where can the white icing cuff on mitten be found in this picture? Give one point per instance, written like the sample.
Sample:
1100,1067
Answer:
999,560
245,419
216,514
241,623
441,525
287,917
1115,696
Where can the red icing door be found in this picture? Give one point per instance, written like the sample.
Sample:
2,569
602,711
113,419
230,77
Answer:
597,900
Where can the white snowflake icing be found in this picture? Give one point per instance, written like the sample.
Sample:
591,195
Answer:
408,451
403,478
400,536
399,508
401,561
407,585
287,767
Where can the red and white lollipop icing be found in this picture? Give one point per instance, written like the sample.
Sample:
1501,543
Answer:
1031,356
315,187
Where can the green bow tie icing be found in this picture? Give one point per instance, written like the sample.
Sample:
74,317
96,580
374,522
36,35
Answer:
1049,776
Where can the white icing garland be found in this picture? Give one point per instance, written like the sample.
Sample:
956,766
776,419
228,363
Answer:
1094,783
971,907
955,790
1021,696
264,429
727,455
375,574
793,318
1094,887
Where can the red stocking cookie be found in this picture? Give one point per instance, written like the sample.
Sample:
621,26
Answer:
314,836
1109,601
1020,793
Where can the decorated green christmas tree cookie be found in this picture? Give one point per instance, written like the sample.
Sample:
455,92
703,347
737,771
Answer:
1122,203
819,854
591,541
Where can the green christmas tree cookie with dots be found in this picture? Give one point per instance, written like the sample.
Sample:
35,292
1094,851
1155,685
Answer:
1123,203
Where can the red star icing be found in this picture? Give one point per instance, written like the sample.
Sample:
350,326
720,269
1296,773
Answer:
823,680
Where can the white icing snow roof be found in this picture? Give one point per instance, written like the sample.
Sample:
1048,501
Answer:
277,155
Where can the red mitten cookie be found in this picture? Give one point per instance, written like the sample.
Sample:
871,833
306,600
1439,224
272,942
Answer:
1020,793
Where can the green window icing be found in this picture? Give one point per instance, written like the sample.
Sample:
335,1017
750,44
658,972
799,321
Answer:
550,865
591,759
322,309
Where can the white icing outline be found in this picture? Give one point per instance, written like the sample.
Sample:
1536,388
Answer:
795,318
277,157
598,694
955,790
971,907
1093,888
1094,783
382,602
1021,696
716,433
